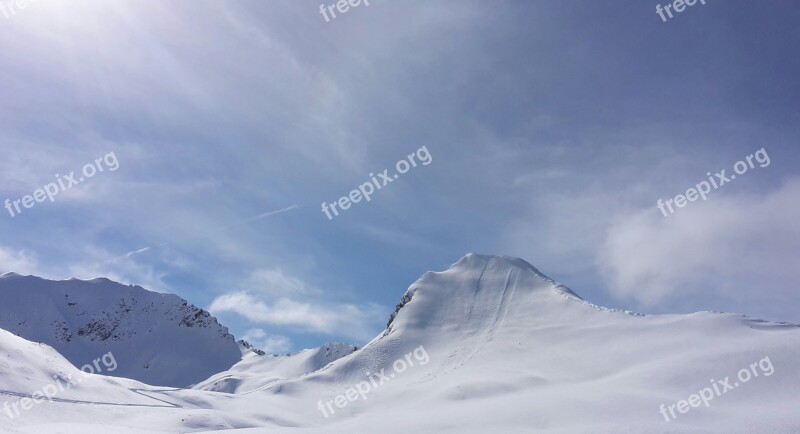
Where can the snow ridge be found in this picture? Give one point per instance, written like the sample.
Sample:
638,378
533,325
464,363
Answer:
85,319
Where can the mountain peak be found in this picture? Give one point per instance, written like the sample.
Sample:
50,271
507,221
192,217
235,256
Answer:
83,319
477,288
477,259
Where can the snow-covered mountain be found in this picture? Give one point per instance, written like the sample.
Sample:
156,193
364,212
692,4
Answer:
512,351
258,370
492,345
156,338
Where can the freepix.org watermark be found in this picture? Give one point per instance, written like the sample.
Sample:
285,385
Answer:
702,189
51,190
677,5
718,388
9,8
365,190
50,391
361,389
342,6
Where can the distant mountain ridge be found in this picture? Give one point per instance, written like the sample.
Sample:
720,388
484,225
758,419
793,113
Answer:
258,370
488,345
158,339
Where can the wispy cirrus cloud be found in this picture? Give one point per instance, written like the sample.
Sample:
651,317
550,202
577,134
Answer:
220,116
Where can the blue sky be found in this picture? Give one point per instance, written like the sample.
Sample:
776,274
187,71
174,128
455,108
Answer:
553,127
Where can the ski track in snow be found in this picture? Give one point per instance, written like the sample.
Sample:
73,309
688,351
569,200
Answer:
116,404
458,358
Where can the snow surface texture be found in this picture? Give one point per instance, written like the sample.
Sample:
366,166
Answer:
257,371
155,338
508,351
27,367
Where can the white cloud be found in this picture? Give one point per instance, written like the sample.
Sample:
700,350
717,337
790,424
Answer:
18,261
272,344
735,248
333,319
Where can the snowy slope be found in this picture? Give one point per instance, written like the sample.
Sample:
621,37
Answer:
83,320
498,347
257,370
27,367
35,379
511,351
